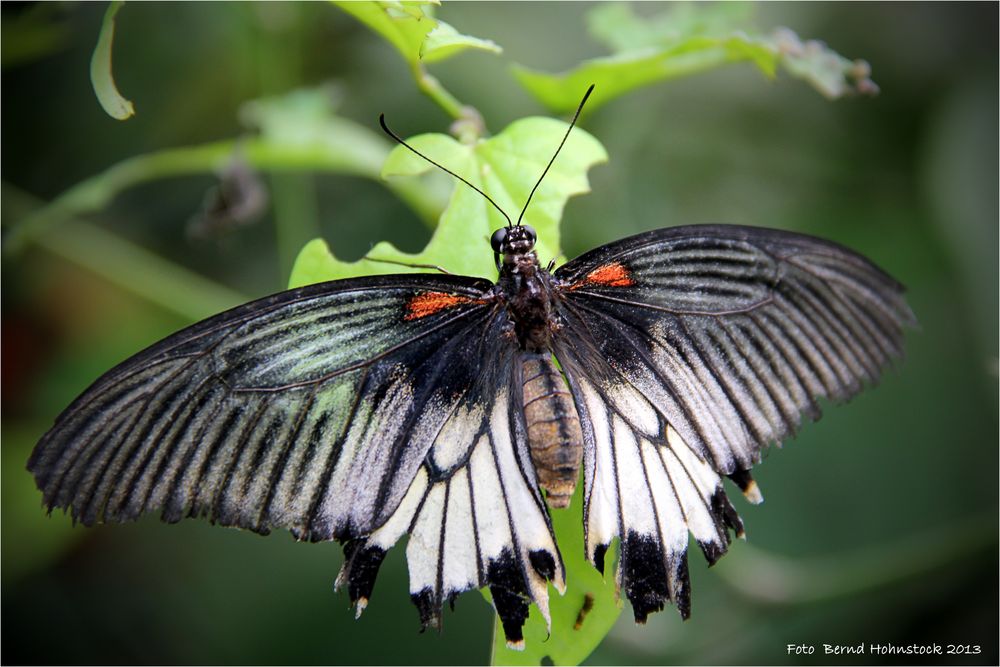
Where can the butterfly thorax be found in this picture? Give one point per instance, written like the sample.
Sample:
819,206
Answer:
528,293
555,439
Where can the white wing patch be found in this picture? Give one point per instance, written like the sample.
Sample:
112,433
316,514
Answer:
474,520
600,481
651,492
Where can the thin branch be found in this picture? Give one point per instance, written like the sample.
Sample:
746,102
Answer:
98,191
131,267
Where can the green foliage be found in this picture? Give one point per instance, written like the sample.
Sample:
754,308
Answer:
687,38
419,38
101,78
412,29
296,131
506,167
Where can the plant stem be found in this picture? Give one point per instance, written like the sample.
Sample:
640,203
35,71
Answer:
96,192
293,196
137,270
431,87
131,267
296,215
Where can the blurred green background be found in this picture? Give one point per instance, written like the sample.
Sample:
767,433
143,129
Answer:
881,521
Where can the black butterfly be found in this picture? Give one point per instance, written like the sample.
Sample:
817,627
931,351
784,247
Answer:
431,405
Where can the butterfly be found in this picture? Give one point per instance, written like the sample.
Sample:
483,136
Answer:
460,411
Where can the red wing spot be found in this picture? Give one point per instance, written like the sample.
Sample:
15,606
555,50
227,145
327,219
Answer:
609,275
429,303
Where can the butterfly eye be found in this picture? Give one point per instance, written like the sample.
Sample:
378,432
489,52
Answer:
530,233
498,238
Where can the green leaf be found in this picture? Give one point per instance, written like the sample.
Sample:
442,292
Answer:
306,118
569,642
101,78
687,39
506,167
410,28
444,41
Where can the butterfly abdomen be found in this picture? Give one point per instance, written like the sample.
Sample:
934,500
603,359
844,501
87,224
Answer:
554,436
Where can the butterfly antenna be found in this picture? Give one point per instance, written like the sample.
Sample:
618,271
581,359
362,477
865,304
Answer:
396,137
565,137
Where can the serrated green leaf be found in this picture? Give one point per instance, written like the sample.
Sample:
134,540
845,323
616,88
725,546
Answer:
506,167
686,39
416,34
101,77
568,643
441,148
444,41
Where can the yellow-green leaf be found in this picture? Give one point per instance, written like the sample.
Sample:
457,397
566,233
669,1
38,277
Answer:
506,167
444,41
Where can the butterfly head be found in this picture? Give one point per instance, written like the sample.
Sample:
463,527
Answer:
512,241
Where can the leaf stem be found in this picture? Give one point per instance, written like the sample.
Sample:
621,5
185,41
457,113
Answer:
296,217
293,196
431,87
